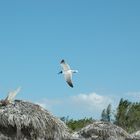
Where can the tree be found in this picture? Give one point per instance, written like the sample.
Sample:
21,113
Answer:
121,115
128,115
106,114
103,115
64,119
75,125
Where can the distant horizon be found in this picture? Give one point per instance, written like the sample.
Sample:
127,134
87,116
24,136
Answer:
99,39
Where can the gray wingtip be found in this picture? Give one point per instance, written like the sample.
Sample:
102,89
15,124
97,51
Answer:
62,61
70,84
60,72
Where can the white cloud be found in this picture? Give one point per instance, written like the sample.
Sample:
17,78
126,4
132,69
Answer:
80,105
92,101
134,95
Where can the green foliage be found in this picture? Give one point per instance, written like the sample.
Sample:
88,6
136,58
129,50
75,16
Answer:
128,115
76,125
106,114
65,119
103,115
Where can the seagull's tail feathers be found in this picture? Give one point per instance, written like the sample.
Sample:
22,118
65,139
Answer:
74,71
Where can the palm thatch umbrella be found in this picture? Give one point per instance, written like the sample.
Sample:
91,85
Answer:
27,121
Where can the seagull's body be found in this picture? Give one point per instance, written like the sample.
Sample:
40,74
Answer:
67,72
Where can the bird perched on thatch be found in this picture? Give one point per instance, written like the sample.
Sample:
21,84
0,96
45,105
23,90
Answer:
10,98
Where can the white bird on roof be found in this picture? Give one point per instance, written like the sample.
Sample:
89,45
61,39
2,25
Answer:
67,72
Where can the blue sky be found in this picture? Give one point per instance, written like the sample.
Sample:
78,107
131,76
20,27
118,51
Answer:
99,38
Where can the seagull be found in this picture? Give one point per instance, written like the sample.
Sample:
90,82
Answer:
67,72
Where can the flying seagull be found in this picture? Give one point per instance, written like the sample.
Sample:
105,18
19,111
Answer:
67,72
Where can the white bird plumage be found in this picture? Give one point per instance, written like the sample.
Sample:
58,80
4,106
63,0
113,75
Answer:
66,70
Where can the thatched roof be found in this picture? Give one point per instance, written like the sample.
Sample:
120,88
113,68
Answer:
99,130
27,121
136,135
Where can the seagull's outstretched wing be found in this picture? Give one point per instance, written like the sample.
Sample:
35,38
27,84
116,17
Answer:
12,94
68,78
64,65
